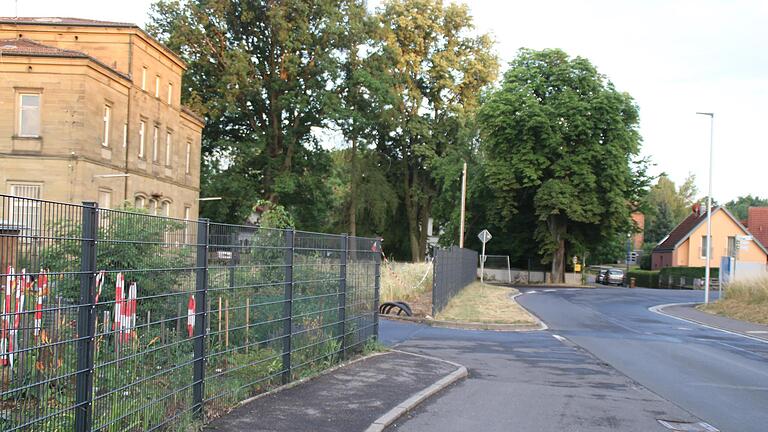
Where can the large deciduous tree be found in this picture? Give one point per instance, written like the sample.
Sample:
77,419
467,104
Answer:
560,143
667,206
263,72
437,69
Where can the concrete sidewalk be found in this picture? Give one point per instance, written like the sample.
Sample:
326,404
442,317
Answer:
348,399
690,313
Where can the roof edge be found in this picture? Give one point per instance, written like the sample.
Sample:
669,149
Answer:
96,24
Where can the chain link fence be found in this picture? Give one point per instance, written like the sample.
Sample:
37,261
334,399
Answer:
114,320
454,268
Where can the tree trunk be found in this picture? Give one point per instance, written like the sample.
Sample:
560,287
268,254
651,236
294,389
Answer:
557,229
411,213
423,222
353,191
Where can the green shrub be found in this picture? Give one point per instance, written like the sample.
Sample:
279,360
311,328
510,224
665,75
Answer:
645,278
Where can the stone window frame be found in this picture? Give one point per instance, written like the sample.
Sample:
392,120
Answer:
143,138
168,147
22,91
106,124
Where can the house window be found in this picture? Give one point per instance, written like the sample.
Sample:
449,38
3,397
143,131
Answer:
154,144
105,127
166,208
187,156
144,78
157,86
139,202
168,147
29,114
25,213
142,134
125,134
732,251
187,214
105,198
153,206
704,248
170,93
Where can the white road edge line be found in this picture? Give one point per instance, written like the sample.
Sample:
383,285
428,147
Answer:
658,309
542,324
558,337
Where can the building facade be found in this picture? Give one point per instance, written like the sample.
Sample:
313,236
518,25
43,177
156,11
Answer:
686,245
91,111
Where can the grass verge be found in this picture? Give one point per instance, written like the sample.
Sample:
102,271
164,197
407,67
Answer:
743,300
485,304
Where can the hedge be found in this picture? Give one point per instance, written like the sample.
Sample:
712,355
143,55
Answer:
661,278
689,273
645,278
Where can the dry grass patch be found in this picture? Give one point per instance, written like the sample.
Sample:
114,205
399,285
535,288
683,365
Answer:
743,300
408,282
485,304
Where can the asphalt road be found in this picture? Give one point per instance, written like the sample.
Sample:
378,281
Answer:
718,377
525,381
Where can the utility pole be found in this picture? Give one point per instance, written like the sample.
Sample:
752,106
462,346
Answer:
709,205
463,204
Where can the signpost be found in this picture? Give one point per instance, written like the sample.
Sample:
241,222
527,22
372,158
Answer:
484,237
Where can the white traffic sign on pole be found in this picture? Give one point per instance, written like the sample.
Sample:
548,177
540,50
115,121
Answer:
484,237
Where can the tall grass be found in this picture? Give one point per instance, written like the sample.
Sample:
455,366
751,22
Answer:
744,300
405,281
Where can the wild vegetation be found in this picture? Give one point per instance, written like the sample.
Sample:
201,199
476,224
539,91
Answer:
743,300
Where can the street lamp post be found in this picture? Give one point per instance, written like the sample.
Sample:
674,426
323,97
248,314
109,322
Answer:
709,205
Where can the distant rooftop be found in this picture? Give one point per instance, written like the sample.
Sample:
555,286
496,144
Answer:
63,21
27,47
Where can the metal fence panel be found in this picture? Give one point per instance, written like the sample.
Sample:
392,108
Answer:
117,320
454,268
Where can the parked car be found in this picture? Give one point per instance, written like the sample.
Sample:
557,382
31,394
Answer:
601,276
614,276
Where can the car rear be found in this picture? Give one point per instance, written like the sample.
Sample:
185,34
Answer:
614,276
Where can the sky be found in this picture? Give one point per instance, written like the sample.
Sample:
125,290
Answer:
675,57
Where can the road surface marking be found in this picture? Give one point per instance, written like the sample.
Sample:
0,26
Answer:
659,310
560,338
549,290
531,292
757,331
684,328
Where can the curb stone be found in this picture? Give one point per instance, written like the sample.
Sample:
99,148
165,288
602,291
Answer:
409,404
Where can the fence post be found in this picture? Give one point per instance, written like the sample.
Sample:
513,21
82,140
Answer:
435,281
342,297
86,320
376,287
201,316
288,304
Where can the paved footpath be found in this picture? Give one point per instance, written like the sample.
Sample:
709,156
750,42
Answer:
348,399
690,313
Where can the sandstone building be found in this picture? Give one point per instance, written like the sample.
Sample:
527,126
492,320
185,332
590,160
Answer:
91,111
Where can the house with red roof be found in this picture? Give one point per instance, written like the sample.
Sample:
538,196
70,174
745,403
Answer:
686,245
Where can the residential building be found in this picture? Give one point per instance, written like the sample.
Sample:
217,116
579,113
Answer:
757,223
686,245
91,111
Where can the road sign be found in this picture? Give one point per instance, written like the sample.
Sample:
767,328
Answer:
575,260
484,236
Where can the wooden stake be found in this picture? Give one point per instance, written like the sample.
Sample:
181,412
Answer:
219,321
247,321
226,323
178,319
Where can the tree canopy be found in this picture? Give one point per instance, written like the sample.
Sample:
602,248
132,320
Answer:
560,144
